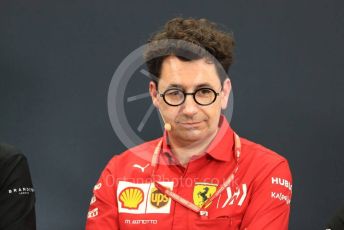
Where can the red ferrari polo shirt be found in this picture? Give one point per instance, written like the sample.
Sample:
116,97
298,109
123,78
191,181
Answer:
258,198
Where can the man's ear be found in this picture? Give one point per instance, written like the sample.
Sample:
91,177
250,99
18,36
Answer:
153,91
226,90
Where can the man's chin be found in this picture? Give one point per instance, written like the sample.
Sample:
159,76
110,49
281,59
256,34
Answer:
191,136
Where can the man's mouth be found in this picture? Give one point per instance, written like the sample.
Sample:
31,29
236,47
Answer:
190,124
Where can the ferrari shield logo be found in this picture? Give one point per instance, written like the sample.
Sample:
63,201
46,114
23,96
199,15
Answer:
202,192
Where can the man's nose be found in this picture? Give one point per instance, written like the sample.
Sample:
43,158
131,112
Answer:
190,107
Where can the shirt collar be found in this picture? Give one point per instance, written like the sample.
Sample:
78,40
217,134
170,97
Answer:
221,148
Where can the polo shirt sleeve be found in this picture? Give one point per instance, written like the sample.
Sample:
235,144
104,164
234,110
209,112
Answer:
102,213
17,198
269,205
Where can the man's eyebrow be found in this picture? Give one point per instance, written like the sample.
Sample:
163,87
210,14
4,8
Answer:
202,85
175,86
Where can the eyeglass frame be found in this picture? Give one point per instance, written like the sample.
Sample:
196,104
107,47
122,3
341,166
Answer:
193,96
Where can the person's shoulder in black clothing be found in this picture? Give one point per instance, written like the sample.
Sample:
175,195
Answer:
17,197
337,221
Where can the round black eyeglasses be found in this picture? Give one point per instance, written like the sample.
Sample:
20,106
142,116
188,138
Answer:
202,96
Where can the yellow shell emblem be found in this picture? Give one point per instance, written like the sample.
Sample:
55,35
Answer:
131,197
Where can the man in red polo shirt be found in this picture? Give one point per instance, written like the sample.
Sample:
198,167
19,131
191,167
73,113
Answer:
200,174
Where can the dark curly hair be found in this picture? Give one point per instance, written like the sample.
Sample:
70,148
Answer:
190,39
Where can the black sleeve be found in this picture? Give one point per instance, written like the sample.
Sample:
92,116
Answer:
337,221
17,197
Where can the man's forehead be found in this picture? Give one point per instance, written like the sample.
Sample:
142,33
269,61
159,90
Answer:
190,82
188,74
175,64
190,86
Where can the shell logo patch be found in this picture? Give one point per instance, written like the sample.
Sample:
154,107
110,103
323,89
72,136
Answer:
131,197
158,199
202,192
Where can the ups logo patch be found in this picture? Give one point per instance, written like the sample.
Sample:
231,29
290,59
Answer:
158,199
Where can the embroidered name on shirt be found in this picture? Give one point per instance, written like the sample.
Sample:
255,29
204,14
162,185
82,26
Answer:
21,191
140,221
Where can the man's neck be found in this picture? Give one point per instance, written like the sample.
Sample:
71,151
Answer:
184,150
